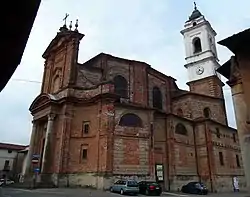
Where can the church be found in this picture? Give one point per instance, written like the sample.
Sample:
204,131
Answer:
111,118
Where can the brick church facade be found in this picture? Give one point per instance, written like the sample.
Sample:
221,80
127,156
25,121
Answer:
111,118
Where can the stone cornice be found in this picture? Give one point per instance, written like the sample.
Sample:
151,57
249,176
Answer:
235,76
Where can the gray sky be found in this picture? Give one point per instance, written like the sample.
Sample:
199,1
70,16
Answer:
145,30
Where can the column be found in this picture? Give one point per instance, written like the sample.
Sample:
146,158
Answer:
243,59
47,143
240,108
241,115
31,146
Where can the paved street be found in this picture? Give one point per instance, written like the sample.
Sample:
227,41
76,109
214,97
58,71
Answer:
11,192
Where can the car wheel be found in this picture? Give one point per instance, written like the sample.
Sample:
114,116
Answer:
121,192
111,189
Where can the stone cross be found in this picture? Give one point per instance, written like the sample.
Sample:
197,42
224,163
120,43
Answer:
65,18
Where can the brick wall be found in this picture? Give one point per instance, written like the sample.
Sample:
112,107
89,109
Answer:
154,81
131,145
224,142
184,149
193,106
60,65
210,86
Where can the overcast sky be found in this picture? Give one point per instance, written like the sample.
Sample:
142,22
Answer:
145,30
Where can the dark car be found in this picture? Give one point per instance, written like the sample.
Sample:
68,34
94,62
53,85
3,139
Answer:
195,188
150,188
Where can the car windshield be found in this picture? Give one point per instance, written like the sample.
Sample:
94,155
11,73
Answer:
132,184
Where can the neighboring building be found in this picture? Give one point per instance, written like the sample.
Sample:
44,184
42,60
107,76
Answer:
9,160
22,163
111,118
237,71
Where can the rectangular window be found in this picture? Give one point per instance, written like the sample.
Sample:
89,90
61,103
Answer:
85,127
221,159
84,153
234,137
6,163
238,161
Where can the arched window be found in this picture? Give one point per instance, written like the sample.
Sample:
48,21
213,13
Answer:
197,45
180,112
157,98
56,84
130,120
121,86
180,129
206,112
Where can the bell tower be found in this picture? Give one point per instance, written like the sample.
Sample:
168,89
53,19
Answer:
61,59
201,56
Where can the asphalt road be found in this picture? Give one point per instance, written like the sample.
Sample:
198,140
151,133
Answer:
12,192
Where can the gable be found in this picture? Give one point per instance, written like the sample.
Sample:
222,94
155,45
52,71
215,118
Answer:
41,100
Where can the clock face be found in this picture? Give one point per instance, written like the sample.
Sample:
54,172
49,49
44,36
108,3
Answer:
199,70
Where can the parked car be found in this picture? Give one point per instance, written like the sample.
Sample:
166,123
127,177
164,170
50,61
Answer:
150,188
125,187
195,188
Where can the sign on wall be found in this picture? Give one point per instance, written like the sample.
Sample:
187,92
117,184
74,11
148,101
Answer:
35,158
159,172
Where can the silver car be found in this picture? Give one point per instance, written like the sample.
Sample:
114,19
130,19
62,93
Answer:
125,187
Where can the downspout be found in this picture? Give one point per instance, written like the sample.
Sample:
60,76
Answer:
112,142
167,154
98,134
196,154
129,90
208,157
68,154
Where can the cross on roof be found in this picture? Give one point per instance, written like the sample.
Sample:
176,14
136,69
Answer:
65,18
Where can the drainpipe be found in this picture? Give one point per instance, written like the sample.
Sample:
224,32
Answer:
98,135
167,153
208,157
196,154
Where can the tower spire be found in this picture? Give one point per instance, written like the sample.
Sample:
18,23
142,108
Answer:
195,6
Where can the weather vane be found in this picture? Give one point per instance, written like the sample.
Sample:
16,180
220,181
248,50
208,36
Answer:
65,18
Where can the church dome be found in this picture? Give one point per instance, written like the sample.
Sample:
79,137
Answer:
195,14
